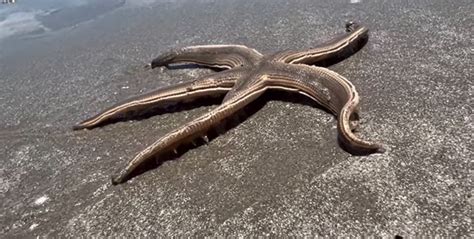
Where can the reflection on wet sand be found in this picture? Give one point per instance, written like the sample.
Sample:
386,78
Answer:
8,1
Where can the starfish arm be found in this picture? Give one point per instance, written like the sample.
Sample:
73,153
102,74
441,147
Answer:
303,85
189,131
332,91
331,51
217,56
216,84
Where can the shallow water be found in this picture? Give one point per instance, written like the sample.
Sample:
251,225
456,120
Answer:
26,21
34,18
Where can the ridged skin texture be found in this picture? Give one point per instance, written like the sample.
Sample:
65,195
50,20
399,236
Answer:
246,75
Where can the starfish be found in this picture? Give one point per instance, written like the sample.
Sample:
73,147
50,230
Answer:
246,75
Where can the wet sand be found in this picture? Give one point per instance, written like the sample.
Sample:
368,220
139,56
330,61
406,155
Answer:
279,172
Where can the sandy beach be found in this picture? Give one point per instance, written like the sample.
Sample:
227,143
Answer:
279,172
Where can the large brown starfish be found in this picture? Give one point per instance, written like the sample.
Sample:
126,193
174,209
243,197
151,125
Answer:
248,74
